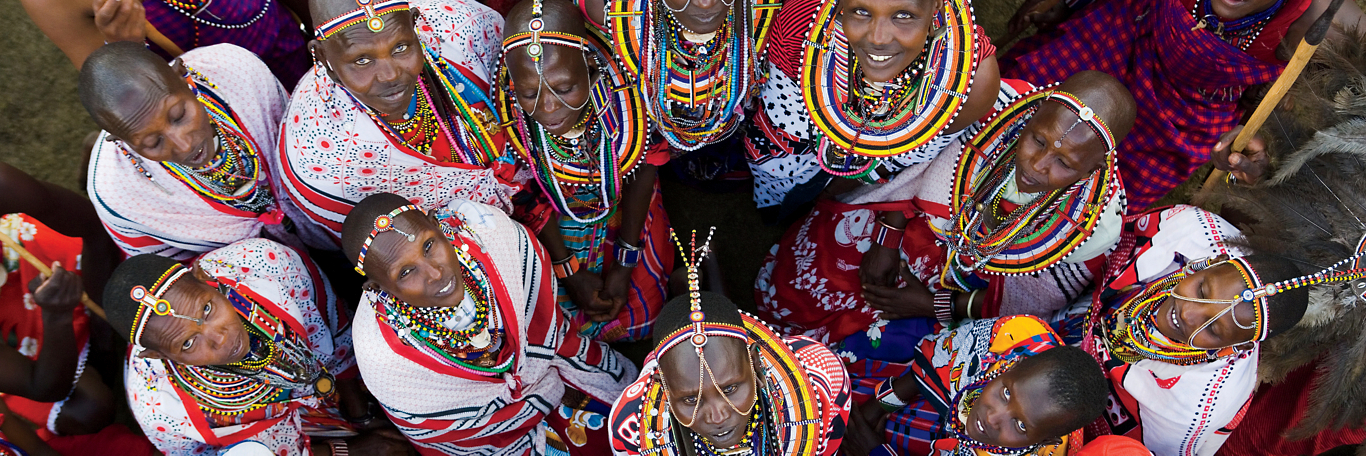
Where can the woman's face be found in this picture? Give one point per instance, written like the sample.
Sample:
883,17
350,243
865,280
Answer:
887,36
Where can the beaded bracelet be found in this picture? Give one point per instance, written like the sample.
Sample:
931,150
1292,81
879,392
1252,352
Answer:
943,307
566,267
628,256
887,398
888,236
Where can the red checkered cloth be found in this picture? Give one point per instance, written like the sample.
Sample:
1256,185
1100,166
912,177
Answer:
1187,83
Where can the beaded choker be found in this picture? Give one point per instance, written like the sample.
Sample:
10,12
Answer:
912,112
369,12
611,147
1034,236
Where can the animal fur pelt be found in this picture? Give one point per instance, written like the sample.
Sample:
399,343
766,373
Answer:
1313,210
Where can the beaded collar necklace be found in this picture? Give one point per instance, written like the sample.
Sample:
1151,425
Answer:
963,403
1034,236
856,130
696,91
233,175
1241,32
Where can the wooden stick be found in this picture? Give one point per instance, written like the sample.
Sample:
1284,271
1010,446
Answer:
1312,39
42,268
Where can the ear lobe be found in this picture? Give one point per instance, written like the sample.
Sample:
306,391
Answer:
178,66
151,354
199,273
1051,441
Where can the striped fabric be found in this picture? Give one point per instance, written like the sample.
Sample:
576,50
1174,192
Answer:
1187,83
594,246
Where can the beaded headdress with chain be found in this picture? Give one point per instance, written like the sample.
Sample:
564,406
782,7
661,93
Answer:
699,331
534,40
384,223
368,12
1085,115
150,302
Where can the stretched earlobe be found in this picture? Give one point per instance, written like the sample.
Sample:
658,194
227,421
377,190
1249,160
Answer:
150,354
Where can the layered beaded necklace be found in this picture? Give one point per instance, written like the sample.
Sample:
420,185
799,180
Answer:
1240,33
233,176
695,90
875,109
474,349
278,363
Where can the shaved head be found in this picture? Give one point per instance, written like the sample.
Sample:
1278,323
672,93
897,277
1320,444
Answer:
555,95
121,81
1108,97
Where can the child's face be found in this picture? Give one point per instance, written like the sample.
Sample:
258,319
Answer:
1015,410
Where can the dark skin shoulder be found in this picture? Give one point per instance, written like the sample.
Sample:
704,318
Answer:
986,84
67,212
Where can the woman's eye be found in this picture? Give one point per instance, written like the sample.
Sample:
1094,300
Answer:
362,61
860,11
690,400
1020,425
427,247
208,307
902,16
731,389
189,343
404,273
1005,393
401,48
1064,164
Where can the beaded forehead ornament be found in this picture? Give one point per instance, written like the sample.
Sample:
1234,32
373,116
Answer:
699,330
150,302
369,13
1084,115
1257,292
384,223
534,40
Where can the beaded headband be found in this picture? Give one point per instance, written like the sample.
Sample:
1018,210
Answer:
535,39
369,13
1084,115
384,223
150,302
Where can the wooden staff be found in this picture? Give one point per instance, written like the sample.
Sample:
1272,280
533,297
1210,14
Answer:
42,268
1312,39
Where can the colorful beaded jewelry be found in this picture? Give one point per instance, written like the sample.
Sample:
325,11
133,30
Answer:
566,267
384,223
1084,115
887,398
369,12
628,256
150,302
889,236
192,10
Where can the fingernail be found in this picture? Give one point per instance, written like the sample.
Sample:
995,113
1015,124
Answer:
1219,145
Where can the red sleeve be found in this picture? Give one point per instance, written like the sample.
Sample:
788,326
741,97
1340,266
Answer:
789,31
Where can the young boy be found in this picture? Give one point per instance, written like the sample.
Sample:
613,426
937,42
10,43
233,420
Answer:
993,386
